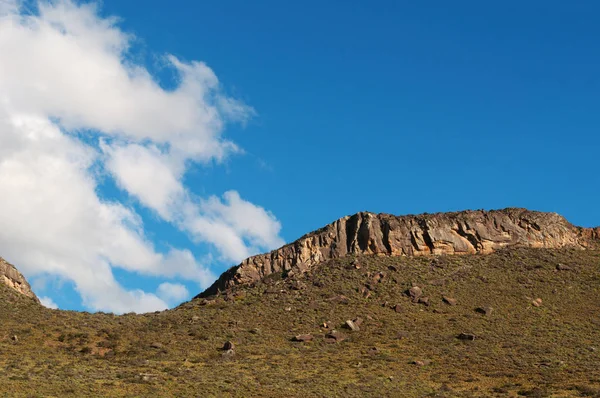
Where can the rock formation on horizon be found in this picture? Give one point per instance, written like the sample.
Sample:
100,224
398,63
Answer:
11,277
465,232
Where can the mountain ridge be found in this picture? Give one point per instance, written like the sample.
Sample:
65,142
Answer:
462,232
11,277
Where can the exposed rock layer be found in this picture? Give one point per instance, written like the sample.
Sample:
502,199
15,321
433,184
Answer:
466,232
15,280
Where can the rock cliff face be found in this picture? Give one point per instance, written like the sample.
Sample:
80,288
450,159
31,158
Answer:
466,232
13,279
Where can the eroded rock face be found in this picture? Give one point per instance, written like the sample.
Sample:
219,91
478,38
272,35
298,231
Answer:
466,232
13,279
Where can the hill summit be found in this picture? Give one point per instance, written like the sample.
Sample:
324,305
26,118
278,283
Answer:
12,278
465,232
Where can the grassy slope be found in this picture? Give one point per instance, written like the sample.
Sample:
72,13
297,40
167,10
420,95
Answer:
552,350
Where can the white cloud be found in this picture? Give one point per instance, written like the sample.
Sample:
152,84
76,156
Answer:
65,73
48,303
172,292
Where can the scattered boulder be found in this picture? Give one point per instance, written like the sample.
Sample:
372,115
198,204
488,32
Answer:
537,302
365,292
358,321
302,338
15,338
423,300
157,345
373,351
562,267
228,346
392,268
334,337
449,300
414,292
352,326
466,336
485,310
378,277
341,299
421,362
398,308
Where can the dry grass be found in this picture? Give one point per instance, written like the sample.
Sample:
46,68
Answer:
519,350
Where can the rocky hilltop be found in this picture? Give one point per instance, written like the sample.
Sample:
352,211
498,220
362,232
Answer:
466,232
15,280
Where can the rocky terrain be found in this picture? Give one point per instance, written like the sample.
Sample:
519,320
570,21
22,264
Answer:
378,315
466,232
13,279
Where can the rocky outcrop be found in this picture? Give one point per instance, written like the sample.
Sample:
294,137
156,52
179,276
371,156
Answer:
466,232
15,280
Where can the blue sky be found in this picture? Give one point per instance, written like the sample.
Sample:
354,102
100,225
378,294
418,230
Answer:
397,107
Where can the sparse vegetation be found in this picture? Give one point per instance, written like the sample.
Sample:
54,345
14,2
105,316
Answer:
406,346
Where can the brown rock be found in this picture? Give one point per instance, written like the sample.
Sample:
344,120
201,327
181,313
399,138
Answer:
358,321
15,280
423,300
398,308
157,345
334,337
485,310
341,299
421,235
302,337
537,302
562,267
449,300
15,338
415,292
228,346
422,362
466,336
373,351
352,326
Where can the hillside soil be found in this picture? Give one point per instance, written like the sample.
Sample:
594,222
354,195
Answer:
519,322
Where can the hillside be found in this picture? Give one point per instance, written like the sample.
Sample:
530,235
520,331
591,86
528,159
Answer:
520,321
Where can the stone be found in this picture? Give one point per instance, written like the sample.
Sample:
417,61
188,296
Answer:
449,300
334,337
485,310
373,351
157,345
365,233
423,300
358,321
341,299
15,338
466,336
398,308
537,302
12,278
302,338
562,267
228,346
415,292
352,326
421,362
